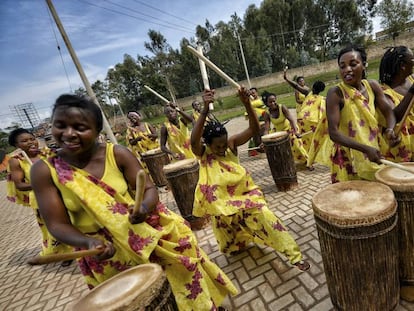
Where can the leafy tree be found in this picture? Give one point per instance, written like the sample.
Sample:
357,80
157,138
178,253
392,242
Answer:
394,15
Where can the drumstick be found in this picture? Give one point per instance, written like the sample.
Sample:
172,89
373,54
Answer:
213,67
204,76
396,165
41,260
140,189
306,133
398,127
253,148
156,94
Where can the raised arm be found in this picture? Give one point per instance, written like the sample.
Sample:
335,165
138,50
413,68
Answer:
254,127
196,144
302,89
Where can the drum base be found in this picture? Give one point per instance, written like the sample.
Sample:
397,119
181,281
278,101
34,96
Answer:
198,223
407,293
286,186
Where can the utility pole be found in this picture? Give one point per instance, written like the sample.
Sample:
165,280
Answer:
244,61
106,127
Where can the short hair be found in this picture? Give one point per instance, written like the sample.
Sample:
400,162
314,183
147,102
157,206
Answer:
356,48
83,102
317,87
194,102
12,139
390,63
253,88
213,129
266,95
298,78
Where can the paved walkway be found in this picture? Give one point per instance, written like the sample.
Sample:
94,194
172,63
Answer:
264,278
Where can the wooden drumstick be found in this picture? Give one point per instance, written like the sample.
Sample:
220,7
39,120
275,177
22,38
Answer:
396,165
157,94
140,189
41,260
398,127
306,133
252,148
213,67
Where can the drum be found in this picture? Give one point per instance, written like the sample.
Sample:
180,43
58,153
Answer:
144,287
357,228
182,178
280,158
155,160
402,183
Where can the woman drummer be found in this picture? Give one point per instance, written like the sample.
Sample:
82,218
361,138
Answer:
226,191
83,192
278,119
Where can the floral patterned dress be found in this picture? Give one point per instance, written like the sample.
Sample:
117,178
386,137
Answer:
313,108
282,124
403,152
179,140
358,122
142,146
226,191
26,198
99,207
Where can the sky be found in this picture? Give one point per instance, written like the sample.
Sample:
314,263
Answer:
32,68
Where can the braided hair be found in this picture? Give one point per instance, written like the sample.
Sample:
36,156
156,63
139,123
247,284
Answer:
391,62
213,129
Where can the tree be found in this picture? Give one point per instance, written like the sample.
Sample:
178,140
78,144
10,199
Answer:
394,15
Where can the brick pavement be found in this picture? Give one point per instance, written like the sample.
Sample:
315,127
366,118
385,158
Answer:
264,278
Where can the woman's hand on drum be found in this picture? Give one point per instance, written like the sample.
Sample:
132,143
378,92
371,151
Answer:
108,250
374,155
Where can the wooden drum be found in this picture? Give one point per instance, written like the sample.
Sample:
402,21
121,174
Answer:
155,160
358,235
144,287
182,178
280,158
402,183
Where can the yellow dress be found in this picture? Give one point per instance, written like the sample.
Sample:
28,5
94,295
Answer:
99,207
143,145
239,211
403,152
26,198
321,144
358,122
301,98
179,140
313,108
282,124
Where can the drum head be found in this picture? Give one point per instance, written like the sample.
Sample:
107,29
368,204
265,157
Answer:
351,203
396,179
121,290
179,165
152,152
274,136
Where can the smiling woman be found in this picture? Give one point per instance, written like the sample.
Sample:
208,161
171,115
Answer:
85,193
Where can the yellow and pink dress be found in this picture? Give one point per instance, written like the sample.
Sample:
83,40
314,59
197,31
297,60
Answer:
313,108
358,122
143,145
403,152
99,208
282,124
26,198
179,140
239,211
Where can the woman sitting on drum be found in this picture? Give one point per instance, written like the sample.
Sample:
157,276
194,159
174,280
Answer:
280,118
83,192
352,124
226,191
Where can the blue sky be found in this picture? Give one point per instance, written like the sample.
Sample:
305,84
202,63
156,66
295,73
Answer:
100,31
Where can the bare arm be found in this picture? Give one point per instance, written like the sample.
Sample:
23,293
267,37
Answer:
291,120
196,145
302,89
17,175
55,214
400,110
267,121
153,131
334,104
254,127
163,140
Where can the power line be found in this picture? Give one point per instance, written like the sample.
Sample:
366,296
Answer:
138,18
166,13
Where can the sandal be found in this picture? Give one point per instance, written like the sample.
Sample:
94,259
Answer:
302,265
